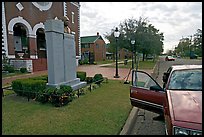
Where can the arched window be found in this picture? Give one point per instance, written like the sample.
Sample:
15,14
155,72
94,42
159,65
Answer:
42,5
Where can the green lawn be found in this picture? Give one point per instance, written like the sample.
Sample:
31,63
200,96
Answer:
108,61
13,74
149,64
100,112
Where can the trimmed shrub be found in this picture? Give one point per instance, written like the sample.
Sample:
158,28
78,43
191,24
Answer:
80,62
44,77
95,63
98,78
9,68
85,61
89,80
66,89
28,87
35,88
17,86
81,75
23,70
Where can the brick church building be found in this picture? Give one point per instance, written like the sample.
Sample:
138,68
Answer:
23,34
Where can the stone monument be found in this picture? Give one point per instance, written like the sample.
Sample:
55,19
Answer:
61,56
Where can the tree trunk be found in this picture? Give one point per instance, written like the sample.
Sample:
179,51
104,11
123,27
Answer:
143,56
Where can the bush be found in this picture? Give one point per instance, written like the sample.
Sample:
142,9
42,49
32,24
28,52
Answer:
23,70
28,87
66,89
17,86
89,80
86,61
95,63
57,97
9,68
44,77
80,62
36,88
98,78
81,75
61,96
45,95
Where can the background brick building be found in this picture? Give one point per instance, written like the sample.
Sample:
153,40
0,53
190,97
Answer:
94,46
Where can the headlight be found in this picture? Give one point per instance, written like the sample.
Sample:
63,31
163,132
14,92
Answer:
184,131
196,133
181,131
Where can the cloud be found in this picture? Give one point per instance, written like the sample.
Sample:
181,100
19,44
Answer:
174,19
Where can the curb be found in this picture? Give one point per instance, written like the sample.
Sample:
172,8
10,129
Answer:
129,122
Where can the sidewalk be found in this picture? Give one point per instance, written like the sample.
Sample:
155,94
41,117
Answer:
90,70
8,80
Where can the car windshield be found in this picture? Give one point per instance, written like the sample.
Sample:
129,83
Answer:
186,80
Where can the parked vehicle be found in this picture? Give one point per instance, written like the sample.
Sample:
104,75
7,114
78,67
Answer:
169,58
180,99
149,57
178,56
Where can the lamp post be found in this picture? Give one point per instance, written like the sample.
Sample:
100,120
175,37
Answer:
133,54
190,46
116,35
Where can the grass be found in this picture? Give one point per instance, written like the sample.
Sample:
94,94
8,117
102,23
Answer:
16,73
100,112
7,92
108,61
149,64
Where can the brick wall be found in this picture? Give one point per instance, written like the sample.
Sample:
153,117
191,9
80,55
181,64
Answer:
39,64
99,51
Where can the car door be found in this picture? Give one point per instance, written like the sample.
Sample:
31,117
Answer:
146,93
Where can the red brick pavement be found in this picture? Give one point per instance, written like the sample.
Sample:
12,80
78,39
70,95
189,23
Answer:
90,70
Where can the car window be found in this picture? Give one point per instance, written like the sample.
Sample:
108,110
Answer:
143,80
186,80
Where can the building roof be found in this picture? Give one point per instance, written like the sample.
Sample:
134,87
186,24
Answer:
90,39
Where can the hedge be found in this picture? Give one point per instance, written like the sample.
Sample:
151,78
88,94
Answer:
36,88
81,75
28,87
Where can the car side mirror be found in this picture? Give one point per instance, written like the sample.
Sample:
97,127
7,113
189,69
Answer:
165,77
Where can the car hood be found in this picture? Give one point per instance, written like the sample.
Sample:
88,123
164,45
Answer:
187,106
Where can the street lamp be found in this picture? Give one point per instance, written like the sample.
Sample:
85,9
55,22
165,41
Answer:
116,35
190,43
133,54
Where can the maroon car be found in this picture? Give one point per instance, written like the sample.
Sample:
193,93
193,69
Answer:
180,99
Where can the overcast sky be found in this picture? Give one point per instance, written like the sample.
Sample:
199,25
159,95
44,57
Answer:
174,19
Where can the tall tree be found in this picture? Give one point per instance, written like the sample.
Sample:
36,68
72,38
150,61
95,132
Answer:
190,44
197,42
147,37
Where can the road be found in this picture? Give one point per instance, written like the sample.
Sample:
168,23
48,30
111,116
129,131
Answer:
144,123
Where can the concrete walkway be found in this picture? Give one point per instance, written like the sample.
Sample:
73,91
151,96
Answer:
90,70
